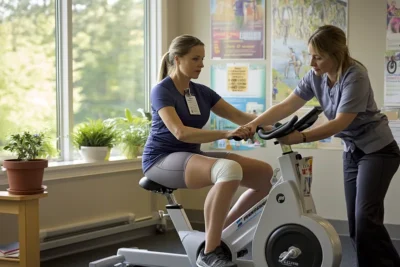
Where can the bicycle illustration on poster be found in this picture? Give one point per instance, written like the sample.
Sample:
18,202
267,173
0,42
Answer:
293,21
392,78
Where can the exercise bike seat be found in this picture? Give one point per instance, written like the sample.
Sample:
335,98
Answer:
149,185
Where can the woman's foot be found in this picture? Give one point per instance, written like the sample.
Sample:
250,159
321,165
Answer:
215,258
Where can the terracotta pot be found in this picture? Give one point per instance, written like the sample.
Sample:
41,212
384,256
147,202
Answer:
25,177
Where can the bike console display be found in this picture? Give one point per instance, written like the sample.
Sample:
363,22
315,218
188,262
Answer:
294,124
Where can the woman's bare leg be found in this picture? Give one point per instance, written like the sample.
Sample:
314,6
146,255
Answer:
256,176
218,200
216,209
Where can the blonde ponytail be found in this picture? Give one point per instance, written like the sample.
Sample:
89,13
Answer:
164,67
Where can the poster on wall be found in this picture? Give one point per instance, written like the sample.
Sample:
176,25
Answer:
392,78
393,25
243,86
293,22
237,29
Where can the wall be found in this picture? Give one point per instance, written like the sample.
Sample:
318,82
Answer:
86,193
367,44
97,195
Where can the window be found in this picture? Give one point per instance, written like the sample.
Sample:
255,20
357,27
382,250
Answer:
108,57
27,69
64,61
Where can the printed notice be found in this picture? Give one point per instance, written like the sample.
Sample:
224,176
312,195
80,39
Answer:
237,79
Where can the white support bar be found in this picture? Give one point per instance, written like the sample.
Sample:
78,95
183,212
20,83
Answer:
152,258
106,262
160,259
179,219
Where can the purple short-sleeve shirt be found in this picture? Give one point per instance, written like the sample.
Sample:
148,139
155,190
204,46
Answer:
353,93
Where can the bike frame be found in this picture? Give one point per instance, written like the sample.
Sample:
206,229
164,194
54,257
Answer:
236,236
241,232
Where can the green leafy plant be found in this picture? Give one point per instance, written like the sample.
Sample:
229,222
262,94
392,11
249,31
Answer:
133,131
29,146
94,133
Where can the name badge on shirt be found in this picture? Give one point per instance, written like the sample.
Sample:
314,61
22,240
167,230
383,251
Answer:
192,103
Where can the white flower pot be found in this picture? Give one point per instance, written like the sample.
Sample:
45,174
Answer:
93,153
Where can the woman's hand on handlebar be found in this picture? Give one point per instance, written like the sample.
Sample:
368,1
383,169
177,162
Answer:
243,132
293,138
253,128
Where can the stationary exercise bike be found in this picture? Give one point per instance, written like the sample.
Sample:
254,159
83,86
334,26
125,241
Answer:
283,228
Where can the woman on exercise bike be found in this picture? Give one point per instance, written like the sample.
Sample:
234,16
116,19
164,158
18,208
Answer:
172,155
371,155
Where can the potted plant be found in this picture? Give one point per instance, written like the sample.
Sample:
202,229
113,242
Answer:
25,174
133,132
94,140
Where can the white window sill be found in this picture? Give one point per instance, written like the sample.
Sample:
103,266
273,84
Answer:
71,169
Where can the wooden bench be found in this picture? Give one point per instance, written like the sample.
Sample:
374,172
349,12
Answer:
27,209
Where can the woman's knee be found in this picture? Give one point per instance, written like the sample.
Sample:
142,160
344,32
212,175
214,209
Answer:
204,171
225,170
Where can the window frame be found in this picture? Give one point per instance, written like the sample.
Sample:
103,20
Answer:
64,64
66,166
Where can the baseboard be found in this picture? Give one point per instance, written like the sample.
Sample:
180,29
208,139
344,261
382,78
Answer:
195,217
341,226
105,241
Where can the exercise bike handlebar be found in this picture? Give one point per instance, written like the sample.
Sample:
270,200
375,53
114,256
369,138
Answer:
278,131
281,130
294,124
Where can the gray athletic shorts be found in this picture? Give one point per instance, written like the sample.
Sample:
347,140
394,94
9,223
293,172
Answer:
169,171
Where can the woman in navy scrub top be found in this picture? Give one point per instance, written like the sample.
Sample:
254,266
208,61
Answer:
172,155
371,155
